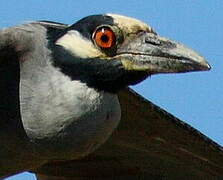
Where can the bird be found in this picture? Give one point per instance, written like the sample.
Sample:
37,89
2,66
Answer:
59,83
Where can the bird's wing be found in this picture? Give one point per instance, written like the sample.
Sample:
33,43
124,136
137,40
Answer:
149,143
15,46
11,128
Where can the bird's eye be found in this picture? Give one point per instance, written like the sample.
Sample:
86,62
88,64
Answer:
104,37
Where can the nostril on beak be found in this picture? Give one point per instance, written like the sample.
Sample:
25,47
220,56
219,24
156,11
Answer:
152,40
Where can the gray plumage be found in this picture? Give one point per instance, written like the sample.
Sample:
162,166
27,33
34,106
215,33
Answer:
56,109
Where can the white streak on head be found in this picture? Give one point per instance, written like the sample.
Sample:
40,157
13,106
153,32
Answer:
130,24
78,45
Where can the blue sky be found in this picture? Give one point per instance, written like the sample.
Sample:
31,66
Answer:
196,98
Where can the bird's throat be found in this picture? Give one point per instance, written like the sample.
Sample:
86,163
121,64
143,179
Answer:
105,75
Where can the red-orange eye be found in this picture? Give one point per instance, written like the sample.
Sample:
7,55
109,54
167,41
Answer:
105,37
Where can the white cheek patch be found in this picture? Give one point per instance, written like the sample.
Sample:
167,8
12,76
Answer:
78,45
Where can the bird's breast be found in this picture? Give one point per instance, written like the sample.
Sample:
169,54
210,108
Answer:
65,119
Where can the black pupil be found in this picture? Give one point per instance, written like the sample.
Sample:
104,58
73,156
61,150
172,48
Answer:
104,38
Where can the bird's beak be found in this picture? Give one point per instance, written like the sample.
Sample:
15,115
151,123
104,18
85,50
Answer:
154,54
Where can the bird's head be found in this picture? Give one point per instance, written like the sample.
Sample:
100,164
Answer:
111,51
